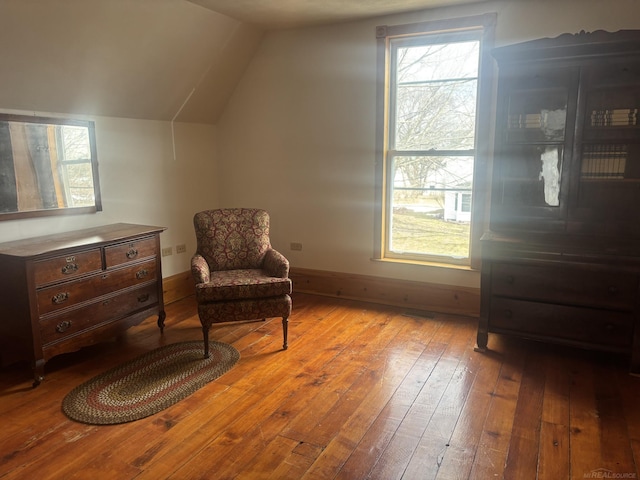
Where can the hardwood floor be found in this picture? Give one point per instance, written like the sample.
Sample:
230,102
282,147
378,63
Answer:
364,391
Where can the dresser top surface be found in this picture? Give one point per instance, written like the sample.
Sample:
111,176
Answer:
35,246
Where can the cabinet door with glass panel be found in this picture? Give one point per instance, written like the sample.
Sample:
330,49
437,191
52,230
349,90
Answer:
533,147
606,186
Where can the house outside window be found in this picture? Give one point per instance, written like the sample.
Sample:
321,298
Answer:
457,206
431,144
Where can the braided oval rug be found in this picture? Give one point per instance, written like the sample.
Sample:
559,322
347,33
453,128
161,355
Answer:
149,383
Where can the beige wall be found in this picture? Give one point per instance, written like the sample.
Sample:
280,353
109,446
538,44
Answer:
298,135
142,182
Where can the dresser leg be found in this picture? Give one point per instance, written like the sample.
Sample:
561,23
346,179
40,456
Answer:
161,316
38,372
482,339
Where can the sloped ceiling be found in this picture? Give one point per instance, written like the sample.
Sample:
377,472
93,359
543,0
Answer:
278,14
145,59
148,59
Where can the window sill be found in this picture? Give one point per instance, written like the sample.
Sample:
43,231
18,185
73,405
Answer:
423,263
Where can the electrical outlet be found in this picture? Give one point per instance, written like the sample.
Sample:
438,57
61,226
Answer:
167,251
182,248
296,246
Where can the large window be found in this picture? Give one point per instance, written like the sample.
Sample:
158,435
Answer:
431,77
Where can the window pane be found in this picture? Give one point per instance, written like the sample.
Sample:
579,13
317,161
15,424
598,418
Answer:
435,96
420,233
79,182
438,61
75,142
432,172
431,205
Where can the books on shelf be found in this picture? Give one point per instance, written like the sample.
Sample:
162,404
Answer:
604,161
614,117
525,120
547,120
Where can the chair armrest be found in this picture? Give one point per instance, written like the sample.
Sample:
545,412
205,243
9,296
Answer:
275,264
200,269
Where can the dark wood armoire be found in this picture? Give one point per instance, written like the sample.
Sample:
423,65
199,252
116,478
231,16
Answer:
561,261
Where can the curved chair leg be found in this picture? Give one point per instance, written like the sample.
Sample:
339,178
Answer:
205,334
285,328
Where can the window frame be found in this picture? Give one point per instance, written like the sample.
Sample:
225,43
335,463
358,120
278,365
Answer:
485,25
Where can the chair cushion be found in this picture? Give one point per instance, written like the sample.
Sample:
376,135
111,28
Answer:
237,310
241,284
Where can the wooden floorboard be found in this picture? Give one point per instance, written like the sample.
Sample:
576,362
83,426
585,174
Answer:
364,391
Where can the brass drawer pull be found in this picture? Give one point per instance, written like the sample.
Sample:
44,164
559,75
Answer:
59,298
141,274
70,268
143,298
63,326
132,253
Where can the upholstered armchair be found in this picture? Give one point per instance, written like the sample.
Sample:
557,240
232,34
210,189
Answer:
238,275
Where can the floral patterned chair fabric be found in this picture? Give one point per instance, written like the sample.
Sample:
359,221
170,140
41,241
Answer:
238,275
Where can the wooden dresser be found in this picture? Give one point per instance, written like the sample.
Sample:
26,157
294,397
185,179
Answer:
61,292
561,262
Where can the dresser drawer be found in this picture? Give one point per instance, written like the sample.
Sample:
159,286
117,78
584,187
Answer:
127,252
60,326
81,290
544,320
67,266
567,285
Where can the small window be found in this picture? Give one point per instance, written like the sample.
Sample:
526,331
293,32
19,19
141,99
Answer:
466,202
431,84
